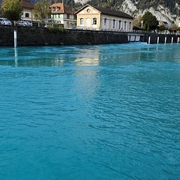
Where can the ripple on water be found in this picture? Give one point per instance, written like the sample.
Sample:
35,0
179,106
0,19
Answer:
90,112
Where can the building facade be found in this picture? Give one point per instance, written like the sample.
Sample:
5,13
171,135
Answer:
98,18
63,15
28,7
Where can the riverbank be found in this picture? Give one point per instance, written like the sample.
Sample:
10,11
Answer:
34,36
42,36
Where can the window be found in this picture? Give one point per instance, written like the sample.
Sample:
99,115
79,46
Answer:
81,21
27,15
67,16
94,21
125,25
129,25
88,10
114,23
119,24
59,16
105,20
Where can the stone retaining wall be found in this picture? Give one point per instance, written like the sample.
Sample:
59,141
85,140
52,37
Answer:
41,36
34,36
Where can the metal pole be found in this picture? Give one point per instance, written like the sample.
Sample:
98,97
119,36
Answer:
15,38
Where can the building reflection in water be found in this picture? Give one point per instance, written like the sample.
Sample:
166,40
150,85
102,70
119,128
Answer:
87,57
87,61
86,82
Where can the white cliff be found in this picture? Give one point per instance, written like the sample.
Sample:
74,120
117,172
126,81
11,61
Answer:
161,13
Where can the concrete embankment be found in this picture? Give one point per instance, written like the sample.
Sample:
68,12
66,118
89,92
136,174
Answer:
151,38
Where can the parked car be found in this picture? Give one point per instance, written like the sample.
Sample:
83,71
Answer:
24,23
48,22
5,21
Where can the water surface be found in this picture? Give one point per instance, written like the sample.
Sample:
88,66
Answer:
90,112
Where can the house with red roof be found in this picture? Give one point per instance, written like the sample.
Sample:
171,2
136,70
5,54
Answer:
63,15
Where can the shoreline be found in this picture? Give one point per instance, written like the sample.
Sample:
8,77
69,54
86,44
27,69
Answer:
35,36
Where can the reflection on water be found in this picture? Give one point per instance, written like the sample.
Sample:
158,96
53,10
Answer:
15,57
94,61
88,55
90,112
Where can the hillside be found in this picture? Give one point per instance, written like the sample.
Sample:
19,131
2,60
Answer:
140,4
164,10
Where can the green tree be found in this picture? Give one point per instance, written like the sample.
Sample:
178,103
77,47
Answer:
162,28
41,10
150,22
0,11
12,9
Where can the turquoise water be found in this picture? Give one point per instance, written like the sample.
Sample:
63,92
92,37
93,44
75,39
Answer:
109,112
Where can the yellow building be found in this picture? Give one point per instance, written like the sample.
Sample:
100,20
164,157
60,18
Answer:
98,18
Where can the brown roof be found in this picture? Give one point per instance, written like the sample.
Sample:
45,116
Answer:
27,4
109,12
60,8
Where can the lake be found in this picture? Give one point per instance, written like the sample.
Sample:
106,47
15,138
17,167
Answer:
90,112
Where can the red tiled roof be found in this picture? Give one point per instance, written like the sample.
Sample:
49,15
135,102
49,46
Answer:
60,8
27,4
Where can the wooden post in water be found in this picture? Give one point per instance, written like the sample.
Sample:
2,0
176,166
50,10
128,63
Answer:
149,40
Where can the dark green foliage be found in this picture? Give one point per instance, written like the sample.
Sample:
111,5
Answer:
162,28
41,10
150,22
12,9
55,30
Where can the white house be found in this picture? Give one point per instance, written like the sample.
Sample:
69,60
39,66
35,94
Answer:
63,15
28,7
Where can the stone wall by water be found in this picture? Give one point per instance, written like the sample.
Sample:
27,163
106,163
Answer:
41,36
34,36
